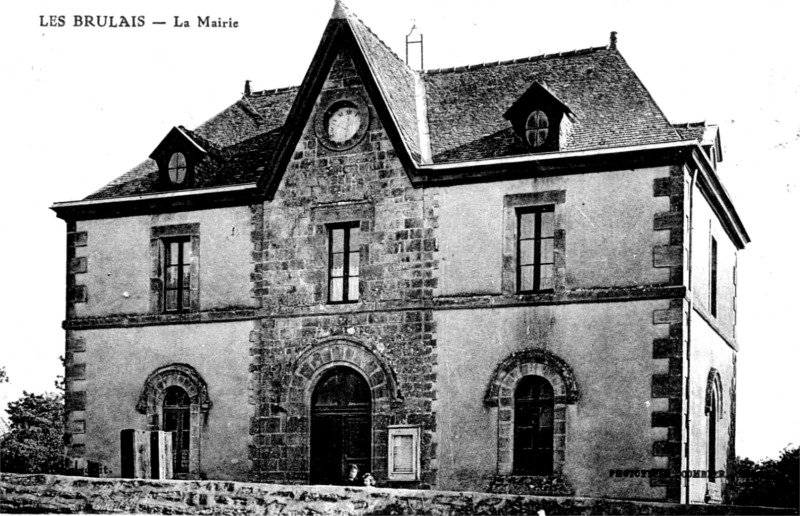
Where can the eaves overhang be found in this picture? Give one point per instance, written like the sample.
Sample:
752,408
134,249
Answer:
166,202
555,163
718,197
595,160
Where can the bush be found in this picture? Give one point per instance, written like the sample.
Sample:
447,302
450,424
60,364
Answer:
34,442
770,483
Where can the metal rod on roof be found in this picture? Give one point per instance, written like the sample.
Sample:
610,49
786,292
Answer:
415,42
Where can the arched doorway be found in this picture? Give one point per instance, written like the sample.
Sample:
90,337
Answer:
341,425
177,420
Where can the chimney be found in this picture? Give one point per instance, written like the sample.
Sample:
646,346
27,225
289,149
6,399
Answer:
246,88
612,41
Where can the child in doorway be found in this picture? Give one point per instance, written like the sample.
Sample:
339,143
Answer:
368,479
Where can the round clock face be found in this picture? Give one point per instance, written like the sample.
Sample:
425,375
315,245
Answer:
343,123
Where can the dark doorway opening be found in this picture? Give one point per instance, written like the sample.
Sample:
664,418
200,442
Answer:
341,425
176,420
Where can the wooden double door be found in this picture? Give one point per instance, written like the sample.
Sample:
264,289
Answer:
341,426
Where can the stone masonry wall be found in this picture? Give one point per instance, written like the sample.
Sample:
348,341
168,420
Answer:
71,495
388,335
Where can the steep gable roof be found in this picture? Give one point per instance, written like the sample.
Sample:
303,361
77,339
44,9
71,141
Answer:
397,82
390,84
445,116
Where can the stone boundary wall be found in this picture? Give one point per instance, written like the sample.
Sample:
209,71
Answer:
50,493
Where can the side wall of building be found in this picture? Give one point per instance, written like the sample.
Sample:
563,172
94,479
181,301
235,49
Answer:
712,354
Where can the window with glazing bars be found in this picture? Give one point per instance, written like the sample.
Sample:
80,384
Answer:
343,263
535,238
177,274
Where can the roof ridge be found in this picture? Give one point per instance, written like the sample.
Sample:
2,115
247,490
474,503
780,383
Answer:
262,93
540,57
702,123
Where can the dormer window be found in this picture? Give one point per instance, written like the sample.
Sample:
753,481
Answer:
180,156
543,122
177,168
537,128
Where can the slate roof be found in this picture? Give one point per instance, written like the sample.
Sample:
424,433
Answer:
239,139
396,80
464,113
611,106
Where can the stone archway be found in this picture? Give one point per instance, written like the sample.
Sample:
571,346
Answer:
302,377
296,399
151,403
500,395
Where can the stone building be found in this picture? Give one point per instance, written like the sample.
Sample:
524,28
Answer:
513,277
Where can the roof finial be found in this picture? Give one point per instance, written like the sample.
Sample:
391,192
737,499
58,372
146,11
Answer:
612,41
247,88
339,10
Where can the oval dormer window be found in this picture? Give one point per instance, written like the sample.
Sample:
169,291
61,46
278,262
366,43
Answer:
177,168
537,128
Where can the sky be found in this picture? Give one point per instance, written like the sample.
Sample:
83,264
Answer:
82,105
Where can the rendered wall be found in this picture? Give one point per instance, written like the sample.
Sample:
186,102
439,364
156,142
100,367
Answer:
608,221
117,363
709,350
608,346
117,253
705,225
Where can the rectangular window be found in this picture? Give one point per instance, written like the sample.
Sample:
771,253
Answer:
177,274
343,263
713,288
403,453
535,256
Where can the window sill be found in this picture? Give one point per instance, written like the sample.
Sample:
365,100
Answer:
530,292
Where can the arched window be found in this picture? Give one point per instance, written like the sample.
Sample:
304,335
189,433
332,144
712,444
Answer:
713,415
531,390
175,399
534,404
176,420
